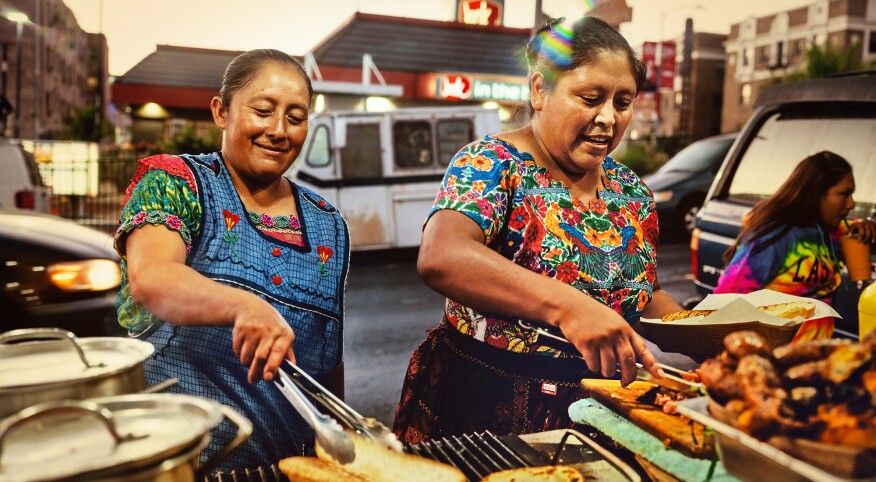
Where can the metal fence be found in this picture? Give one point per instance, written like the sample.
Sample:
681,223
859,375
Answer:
102,208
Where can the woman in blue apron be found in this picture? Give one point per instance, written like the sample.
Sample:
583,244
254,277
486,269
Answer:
229,268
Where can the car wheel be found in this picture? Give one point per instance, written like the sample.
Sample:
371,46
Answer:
688,213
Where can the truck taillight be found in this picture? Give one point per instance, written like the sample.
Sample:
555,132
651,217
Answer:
25,199
695,252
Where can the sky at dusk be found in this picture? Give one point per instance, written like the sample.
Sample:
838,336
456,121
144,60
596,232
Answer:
134,27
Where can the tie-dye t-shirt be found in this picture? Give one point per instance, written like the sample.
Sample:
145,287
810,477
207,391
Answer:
806,261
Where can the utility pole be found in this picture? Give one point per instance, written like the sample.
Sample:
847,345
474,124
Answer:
536,24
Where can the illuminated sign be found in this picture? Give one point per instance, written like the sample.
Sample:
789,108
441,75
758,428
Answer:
454,87
480,12
461,87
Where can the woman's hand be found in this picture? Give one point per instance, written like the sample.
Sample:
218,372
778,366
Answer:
863,230
261,340
608,343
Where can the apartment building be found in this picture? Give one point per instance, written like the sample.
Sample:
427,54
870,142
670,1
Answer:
61,68
760,49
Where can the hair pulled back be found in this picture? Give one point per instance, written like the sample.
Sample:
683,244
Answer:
558,47
244,67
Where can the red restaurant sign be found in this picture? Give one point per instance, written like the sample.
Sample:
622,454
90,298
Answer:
480,12
667,65
649,54
455,87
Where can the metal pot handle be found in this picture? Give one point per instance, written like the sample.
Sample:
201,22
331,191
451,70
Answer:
46,333
244,430
83,407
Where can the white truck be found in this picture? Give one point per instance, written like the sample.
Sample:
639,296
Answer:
382,170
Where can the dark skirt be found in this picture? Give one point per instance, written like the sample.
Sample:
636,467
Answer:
458,385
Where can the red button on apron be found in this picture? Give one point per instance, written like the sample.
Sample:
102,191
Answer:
276,252
277,280
321,204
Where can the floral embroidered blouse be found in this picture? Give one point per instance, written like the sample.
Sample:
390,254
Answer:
168,198
606,248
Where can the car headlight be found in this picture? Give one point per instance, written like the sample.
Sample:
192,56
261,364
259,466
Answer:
662,196
86,275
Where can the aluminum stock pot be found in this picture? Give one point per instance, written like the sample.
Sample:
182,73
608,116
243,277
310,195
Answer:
134,437
42,364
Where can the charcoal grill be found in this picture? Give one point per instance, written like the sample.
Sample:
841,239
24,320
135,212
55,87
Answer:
475,455
480,454
259,474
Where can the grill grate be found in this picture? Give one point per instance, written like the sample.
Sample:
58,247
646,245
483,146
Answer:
476,455
260,474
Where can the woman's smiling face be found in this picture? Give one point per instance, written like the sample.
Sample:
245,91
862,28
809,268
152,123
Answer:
266,123
583,117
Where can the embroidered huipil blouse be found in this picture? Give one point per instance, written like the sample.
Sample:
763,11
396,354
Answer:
606,247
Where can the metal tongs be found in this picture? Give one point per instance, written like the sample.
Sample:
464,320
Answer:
329,433
672,378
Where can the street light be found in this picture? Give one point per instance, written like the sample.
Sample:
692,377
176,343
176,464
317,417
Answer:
676,9
20,18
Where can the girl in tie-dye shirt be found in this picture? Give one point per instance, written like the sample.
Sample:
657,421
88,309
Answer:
790,241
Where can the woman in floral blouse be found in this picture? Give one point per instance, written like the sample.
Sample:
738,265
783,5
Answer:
226,262
539,225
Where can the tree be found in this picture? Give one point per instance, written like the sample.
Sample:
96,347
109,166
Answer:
85,125
825,60
187,141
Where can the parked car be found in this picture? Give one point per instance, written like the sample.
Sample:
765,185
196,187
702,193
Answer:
680,185
791,122
21,185
56,273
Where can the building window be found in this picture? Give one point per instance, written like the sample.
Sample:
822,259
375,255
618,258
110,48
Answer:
872,43
780,51
746,57
745,94
175,127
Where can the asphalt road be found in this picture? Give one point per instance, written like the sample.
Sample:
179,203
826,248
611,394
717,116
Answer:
389,310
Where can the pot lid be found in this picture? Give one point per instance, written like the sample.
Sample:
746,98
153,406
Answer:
63,439
65,358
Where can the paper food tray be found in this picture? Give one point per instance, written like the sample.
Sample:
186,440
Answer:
750,459
704,336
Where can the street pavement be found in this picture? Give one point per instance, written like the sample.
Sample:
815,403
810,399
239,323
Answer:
389,310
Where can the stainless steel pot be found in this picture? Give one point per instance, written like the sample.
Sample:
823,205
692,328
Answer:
42,364
153,437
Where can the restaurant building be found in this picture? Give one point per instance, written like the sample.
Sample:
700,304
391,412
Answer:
372,63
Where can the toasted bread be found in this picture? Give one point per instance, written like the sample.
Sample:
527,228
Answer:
378,462
679,315
548,473
790,310
312,469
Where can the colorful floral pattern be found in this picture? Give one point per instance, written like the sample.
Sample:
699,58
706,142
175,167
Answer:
231,221
325,254
606,248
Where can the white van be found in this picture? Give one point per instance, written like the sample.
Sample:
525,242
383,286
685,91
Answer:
21,185
382,170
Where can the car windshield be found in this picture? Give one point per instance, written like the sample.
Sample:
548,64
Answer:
785,139
699,156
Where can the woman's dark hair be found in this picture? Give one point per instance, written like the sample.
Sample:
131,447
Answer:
244,67
796,203
581,44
